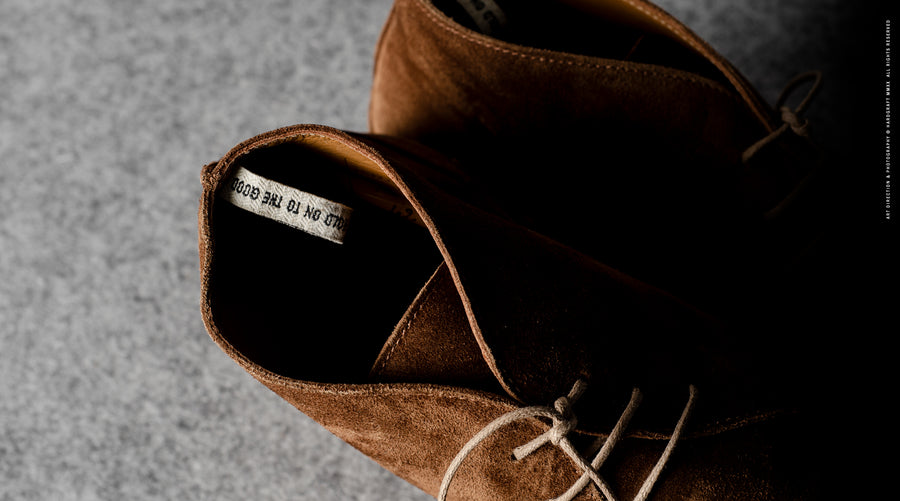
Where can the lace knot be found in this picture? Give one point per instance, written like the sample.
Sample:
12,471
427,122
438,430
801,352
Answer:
564,423
790,118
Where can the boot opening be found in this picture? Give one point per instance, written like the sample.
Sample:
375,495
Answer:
303,306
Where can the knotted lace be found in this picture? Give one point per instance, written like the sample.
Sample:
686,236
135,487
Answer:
790,118
563,422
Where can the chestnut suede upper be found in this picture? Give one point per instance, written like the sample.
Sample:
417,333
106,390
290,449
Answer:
507,318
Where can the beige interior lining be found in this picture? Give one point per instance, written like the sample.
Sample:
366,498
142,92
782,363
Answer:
364,177
623,13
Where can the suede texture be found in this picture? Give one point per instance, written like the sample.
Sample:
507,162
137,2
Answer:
635,163
433,342
539,313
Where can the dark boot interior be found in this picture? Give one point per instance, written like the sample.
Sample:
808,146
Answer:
305,307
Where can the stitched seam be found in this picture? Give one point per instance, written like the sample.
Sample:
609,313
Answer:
702,47
668,24
427,390
402,335
672,76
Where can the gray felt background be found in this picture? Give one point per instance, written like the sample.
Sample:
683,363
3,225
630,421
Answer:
109,386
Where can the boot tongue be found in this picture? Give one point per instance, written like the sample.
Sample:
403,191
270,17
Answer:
545,315
433,342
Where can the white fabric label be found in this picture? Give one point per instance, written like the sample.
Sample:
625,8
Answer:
486,13
297,209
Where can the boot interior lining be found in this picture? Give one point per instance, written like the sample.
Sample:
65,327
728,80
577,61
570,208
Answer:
305,307
605,29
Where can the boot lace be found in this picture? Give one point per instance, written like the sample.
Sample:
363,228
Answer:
563,422
790,118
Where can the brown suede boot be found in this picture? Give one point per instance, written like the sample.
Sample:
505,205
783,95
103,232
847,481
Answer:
365,281
663,159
